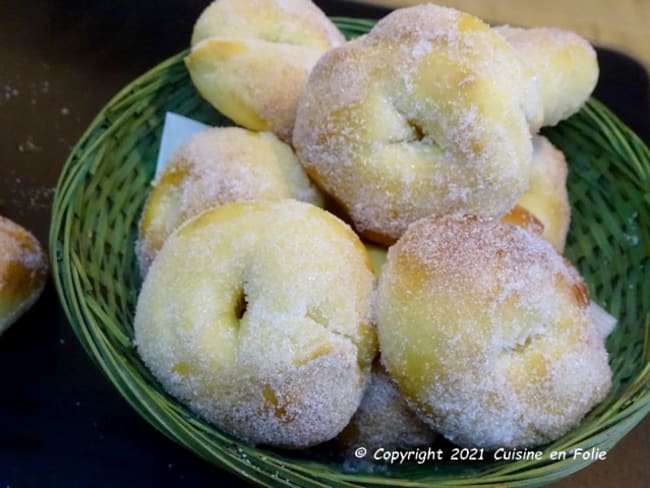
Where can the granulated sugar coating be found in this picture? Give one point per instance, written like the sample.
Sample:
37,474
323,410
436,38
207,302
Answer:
384,419
487,330
23,271
251,58
217,166
256,315
565,64
431,112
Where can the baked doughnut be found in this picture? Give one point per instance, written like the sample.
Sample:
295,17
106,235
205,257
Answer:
565,64
23,271
255,314
547,197
251,58
217,166
384,419
427,114
487,332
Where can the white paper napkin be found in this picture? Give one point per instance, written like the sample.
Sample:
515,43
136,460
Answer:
176,130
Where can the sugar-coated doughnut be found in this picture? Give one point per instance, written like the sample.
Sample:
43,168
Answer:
384,420
564,62
217,166
251,58
255,314
428,113
547,197
487,331
23,271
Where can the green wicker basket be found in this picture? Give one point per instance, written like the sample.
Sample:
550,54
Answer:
98,201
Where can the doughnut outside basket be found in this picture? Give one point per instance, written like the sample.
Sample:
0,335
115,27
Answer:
98,202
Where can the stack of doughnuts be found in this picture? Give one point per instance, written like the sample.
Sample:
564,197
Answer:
264,312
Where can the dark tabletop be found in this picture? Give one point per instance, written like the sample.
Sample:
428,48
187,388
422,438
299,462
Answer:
61,422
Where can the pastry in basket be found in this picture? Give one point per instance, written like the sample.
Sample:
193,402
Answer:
217,166
377,255
384,420
565,64
547,199
430,113
487,330
251,58
255,314
23,271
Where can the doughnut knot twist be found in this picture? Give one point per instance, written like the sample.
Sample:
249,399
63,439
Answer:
217,166
565,64
23,271
251,58
256,315
430,113
487,332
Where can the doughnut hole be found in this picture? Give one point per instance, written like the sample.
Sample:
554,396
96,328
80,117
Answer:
256,315
486,331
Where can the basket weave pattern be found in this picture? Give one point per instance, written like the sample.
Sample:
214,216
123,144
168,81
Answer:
94,224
